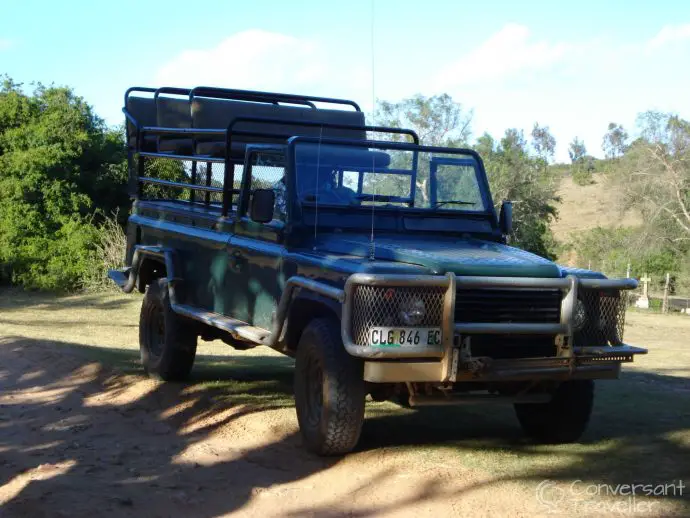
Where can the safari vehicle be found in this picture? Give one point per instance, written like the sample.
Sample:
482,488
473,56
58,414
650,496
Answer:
378,263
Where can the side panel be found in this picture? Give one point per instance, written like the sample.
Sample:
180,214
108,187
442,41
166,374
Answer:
200,245
256,272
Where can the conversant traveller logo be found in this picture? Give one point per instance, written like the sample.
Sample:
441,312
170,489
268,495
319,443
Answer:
624,499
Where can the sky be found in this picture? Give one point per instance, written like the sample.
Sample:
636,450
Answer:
573,66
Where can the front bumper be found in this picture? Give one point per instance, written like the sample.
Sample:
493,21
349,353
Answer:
593,363
451,361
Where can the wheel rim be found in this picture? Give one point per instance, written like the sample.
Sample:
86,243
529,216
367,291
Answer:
156,334
314,392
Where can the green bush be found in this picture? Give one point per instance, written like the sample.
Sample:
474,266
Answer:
111,243
57,262
612,249
61,169
582,176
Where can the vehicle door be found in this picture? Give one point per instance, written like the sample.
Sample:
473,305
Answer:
255,250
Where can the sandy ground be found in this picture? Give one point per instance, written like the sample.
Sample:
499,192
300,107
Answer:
81,438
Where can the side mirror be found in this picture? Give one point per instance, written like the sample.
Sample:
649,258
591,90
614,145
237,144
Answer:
262,205
505,220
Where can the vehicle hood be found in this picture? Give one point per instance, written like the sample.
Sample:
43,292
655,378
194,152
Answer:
442,254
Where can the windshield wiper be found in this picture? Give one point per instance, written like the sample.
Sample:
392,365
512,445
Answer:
453,202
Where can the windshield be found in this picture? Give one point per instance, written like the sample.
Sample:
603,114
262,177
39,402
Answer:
346,175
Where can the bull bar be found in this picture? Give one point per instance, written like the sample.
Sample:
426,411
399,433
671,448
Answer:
446,362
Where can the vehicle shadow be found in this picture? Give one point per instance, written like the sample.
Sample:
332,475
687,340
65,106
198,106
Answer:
639,432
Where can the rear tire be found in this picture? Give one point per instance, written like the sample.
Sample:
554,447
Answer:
564,418
329,390
167,342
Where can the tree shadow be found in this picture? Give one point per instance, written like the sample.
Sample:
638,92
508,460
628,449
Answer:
60,420
82,437
61,323
15,299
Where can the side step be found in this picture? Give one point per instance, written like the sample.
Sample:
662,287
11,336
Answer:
237,328
120,277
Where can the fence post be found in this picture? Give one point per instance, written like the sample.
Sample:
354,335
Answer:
664,304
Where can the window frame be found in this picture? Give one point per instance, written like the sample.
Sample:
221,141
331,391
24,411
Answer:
246,187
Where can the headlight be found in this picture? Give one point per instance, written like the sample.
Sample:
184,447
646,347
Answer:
579,315
412,311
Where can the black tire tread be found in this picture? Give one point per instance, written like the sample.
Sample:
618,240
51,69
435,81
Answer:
179,350
344,394
563,419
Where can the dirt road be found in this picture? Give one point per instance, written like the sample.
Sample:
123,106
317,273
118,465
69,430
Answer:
83,434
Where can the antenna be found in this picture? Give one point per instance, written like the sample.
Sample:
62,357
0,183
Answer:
316,189
372,242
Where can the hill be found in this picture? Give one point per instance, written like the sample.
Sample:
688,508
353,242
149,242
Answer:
584,207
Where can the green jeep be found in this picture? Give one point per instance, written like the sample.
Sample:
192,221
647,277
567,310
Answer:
378,263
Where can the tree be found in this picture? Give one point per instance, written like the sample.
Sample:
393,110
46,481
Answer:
577,151
61,169
515,175
615,141
438,120
582,164
485,145
652,125
543,142
654,177
514,142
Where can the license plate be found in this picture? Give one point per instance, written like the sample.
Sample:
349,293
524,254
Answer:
404,336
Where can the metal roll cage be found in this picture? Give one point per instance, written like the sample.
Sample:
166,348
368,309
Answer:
137,176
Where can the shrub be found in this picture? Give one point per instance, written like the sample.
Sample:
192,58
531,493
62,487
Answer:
110,247
61,170
582,176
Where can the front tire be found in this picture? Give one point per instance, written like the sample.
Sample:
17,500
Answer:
564,418
329,390
167,341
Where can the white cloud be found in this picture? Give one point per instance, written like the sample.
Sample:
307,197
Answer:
261,60
253,59
5,44
669,34
505,53
511,79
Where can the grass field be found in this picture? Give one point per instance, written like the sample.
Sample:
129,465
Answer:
640,429
584,207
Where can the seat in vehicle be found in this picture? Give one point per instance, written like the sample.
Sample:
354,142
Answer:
174,112
143,111
219,113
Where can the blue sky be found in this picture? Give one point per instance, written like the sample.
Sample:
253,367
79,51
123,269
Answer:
572,66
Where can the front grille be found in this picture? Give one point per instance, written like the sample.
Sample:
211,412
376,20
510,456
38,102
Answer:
491,305
508,347
605,317
378,306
